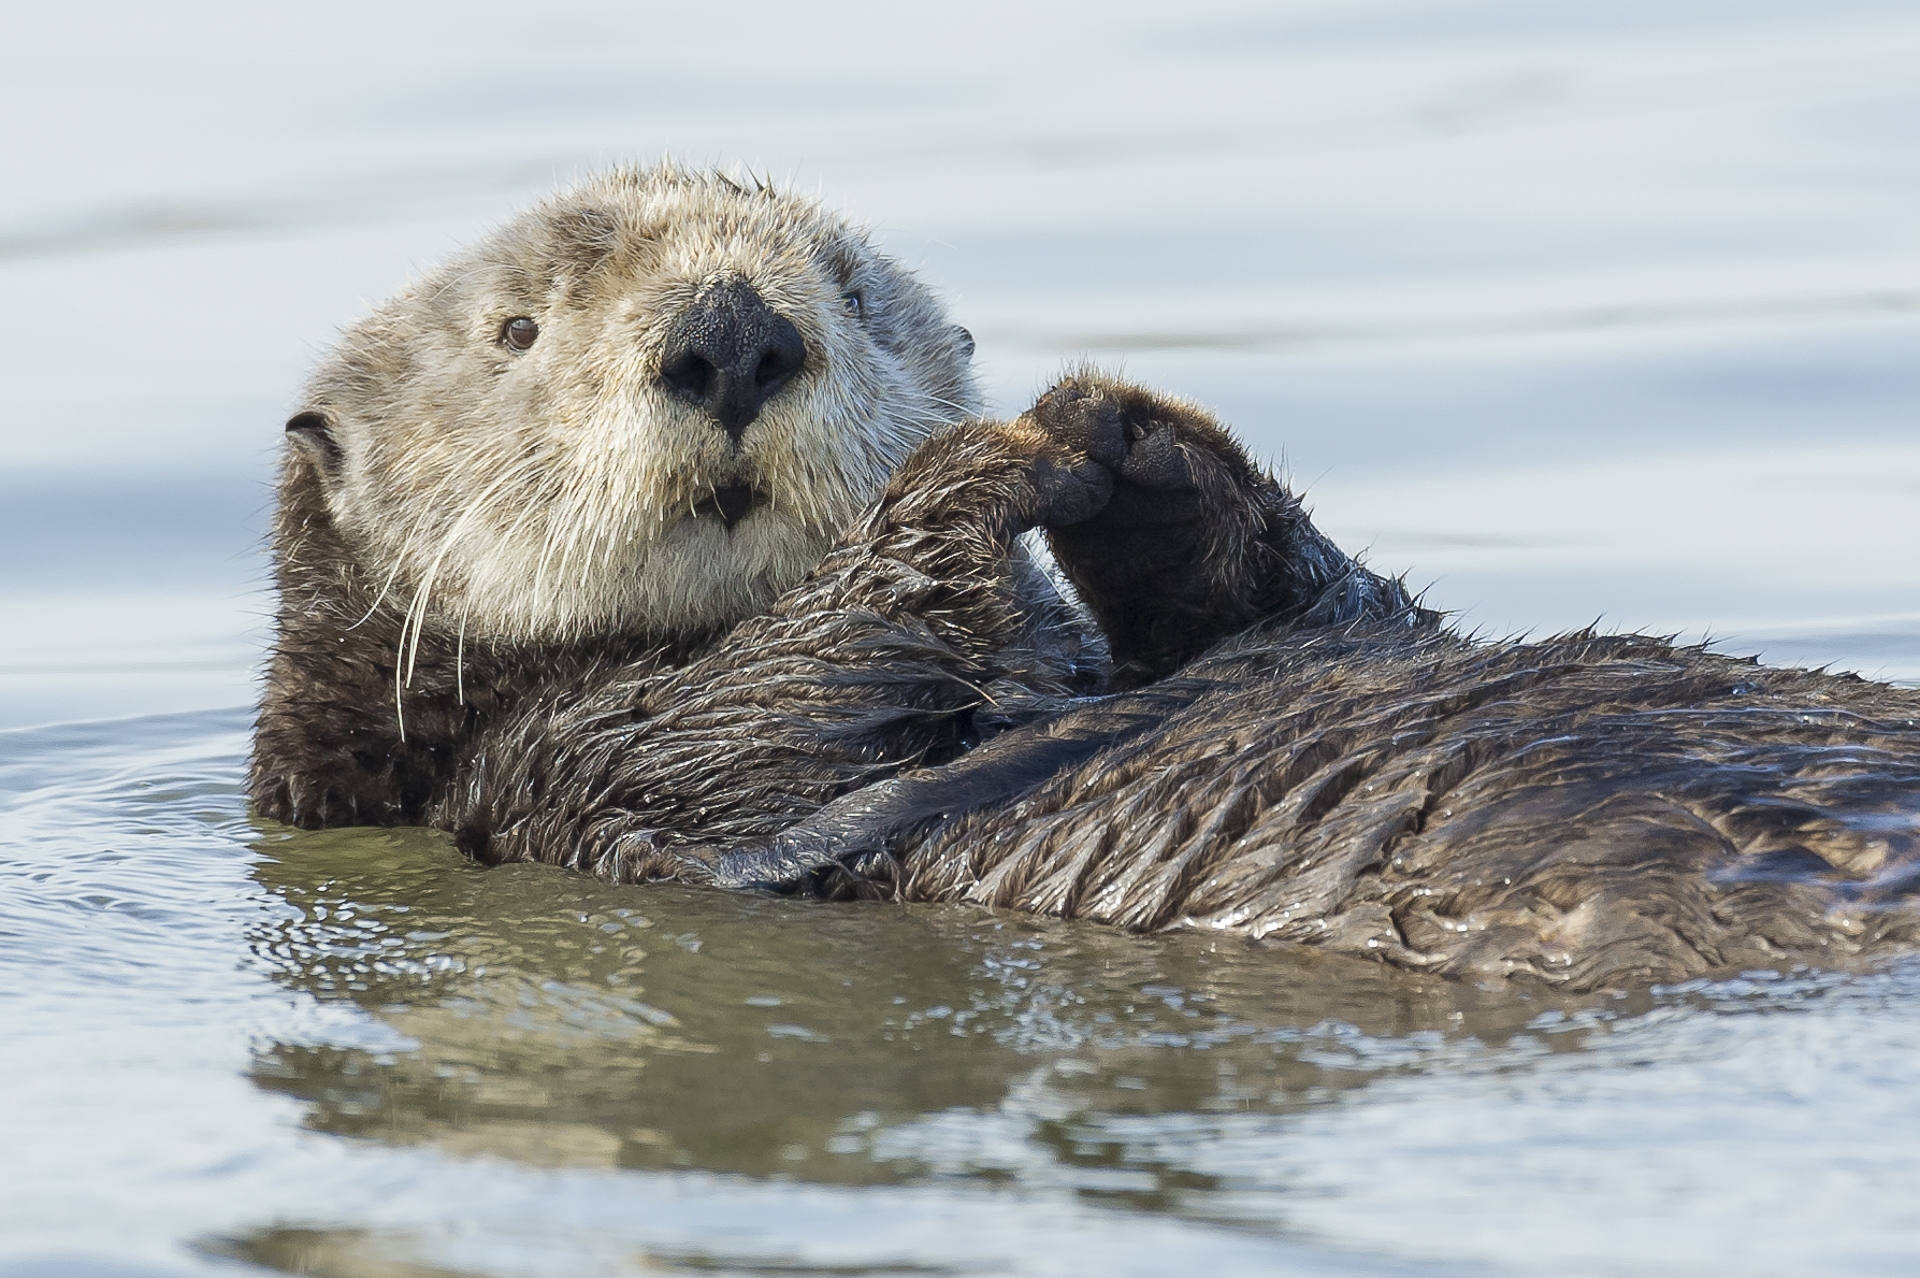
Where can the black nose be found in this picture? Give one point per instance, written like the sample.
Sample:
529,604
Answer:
730,353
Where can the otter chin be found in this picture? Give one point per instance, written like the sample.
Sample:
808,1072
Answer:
727,556
731,504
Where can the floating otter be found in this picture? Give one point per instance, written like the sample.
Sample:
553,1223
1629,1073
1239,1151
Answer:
611,601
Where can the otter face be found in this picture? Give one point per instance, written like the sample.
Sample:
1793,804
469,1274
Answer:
648,405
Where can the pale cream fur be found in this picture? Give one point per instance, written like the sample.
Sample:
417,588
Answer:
547,496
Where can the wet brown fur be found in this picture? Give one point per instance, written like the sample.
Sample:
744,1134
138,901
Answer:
1346,772
1591,810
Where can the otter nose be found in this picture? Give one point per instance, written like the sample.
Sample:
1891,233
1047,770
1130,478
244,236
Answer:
730,353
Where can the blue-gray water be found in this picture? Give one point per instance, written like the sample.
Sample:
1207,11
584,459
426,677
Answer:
1571,311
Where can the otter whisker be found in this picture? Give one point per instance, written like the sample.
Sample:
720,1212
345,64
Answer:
375,605
416,616
966,412
559,508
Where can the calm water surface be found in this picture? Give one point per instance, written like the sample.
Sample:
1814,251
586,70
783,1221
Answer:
1570,312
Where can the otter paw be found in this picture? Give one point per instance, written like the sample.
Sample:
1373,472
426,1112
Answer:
1129,430
1082,422
1070,488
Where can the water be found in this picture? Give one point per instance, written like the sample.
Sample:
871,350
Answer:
1569,311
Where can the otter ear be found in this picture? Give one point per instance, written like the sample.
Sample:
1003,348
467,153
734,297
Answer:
311,434
964,340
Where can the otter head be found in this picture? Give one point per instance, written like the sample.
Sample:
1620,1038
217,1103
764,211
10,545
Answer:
645,406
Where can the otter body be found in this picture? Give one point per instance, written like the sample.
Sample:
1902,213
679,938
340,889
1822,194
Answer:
1345,771
1590,810
588,553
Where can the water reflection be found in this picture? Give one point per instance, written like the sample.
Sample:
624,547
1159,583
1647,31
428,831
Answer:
545,1018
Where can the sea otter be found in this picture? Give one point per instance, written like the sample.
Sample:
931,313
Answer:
584,555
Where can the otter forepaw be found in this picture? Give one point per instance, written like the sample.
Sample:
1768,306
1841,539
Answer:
1071,489
1083,422
1133,432
1068,463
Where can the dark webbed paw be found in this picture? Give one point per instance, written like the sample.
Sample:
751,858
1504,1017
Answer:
1134,434
1168,460
1005,476
1073,463
1176,556
1069,491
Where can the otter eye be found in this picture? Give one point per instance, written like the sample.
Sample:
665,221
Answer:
519,332
853,302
